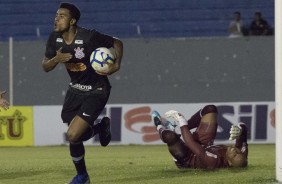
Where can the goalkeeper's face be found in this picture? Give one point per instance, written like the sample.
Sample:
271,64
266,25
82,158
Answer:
235,158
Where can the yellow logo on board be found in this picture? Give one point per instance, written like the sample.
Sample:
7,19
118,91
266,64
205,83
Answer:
16,127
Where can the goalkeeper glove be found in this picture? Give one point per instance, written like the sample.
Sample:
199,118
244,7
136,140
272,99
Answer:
235,131
179,118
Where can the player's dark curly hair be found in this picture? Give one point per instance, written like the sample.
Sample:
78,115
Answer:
74,11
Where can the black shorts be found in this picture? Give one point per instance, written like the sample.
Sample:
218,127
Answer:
88,105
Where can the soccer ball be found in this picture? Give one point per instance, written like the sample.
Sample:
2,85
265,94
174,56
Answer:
100,59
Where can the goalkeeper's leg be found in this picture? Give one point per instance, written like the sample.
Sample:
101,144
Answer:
176,147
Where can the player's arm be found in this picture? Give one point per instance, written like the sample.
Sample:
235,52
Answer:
3,102
50,64
118,48
195,147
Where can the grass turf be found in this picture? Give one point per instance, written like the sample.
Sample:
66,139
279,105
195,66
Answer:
131,164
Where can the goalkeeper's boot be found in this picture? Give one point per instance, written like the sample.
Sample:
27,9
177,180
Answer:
157,118
80,179
105,135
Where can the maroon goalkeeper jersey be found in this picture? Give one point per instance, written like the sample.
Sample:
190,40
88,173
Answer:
213,157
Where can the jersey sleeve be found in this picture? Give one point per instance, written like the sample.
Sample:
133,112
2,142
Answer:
50,51
101,40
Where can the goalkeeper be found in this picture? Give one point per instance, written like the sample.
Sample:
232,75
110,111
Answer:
196,150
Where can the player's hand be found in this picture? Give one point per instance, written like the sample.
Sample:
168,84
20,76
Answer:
235,132
3,102
179,118
62,57
113,68
102,73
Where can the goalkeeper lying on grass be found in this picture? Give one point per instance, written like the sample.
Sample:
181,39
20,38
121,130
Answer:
197,150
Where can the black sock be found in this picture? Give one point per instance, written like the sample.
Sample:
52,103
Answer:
77,153
90,132
96,128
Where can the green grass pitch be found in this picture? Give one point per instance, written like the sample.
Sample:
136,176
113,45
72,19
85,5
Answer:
133,164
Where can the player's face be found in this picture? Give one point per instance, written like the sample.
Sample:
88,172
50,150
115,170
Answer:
62,20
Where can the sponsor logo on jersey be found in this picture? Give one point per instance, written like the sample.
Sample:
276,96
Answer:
59,40
79,54
81,87
78,41
75,67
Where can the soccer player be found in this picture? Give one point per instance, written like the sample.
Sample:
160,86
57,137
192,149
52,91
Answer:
88,91
197,150
3,102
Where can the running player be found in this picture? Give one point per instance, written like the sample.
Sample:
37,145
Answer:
3,102
88,91
197,150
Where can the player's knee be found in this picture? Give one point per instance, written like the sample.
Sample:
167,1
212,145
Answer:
73,137
209,109
169,137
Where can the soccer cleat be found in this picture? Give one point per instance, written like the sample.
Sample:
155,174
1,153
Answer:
157,118
80,179
105,135
179,118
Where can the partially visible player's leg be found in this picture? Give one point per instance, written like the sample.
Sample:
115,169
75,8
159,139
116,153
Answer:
207,127
197,118
77,152
176,146
93,106
76,130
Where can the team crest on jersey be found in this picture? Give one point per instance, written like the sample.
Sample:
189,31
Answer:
79,54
